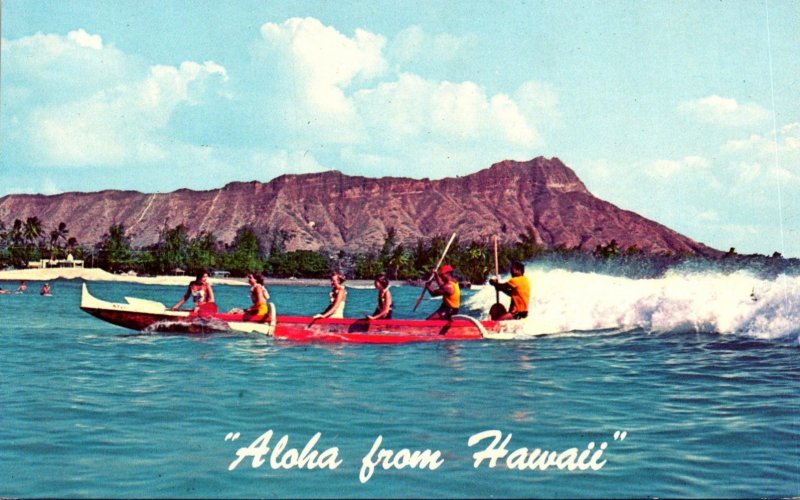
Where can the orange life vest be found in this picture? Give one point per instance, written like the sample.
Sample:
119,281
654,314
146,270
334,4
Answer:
453,300
521,294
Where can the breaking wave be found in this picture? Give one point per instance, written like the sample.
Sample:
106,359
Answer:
678,301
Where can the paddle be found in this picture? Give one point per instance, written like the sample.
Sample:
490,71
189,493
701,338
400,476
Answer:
433,274
497,309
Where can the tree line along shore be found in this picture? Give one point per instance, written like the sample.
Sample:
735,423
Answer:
264,249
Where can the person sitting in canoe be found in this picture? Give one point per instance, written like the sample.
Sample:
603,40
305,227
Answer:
384,308
260,297
201,293
449,290
518,288
338,295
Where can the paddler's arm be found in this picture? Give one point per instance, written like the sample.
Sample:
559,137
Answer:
434,292
503,287
439,282
445,288
183,300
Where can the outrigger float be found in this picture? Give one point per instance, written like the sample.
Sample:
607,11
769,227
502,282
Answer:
148,315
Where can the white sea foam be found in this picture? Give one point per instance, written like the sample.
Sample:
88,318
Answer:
564,301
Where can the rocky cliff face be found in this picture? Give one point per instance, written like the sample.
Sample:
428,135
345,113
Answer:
333,211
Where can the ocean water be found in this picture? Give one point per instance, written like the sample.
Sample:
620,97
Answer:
682,386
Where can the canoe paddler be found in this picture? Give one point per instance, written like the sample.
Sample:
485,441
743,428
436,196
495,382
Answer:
448,289
518,288
338,296
259,295
385,306
201,293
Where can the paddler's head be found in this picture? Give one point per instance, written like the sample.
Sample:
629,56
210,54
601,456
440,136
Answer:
446,271
337,278
382,282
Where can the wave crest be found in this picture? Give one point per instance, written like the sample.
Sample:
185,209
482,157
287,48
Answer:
679,301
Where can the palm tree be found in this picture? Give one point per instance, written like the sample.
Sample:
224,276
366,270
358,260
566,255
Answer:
15,240
399,261
28,233
115,248
32,230
58,234
15,233
473,262
3,244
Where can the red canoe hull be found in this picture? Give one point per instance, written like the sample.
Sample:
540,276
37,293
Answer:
392,331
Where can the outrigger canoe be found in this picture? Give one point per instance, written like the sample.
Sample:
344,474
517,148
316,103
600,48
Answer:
147,315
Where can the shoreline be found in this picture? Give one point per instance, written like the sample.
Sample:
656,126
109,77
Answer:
96,274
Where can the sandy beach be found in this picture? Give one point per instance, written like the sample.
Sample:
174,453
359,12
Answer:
95,274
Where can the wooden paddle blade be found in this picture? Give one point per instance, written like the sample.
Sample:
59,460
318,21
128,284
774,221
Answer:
497,311
419,299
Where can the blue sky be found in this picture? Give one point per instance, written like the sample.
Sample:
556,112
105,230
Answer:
685,112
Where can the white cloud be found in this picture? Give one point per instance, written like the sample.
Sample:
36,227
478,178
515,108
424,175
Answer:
413,110
785,143
708,216
84,39
664,169
307,87
53,68
724,111
414,46
107,117
285,162
50,187
748,173
770,156
791,137
315,63
324,87
539,102
597,169
785,176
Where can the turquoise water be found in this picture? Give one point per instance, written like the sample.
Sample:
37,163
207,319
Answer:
93,410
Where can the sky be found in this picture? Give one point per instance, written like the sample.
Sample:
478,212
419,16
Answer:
686,112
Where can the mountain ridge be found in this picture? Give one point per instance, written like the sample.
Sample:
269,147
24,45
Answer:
334,211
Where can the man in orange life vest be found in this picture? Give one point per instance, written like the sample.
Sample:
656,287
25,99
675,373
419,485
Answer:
449,290
519,288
